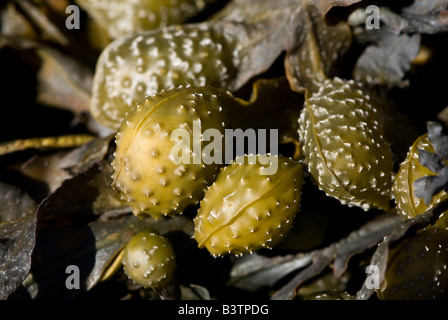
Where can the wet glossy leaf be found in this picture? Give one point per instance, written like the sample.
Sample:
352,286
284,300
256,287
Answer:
254,272
91,248
314,59
17,237
194,292
428,186
46,26
44,143
63,82
14,203
268,53
391,48
48,171
16,246
325,286
326,5
80,199
422,16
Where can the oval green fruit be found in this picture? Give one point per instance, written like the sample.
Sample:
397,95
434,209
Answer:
411,170
346,153
132,68
153,169
247,208
149,259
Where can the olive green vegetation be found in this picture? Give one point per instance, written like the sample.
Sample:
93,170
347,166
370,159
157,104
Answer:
344,145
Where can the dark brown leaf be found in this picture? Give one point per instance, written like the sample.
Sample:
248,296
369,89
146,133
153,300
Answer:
14,24
50,171
276,107
425,16
252,272
17,228
44,143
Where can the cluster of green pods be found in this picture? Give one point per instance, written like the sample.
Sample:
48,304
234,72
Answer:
149,85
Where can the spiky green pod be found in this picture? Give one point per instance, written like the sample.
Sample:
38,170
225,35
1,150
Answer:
149,260
246,209
146,170
344,146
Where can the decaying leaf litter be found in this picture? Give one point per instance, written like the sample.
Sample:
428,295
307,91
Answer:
58,204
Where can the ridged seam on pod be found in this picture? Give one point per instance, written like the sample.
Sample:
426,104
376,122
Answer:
144,172
411,170
149,259
131,68
243,210
418,267
344,146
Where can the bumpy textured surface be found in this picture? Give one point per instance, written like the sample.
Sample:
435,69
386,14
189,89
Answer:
120,18
344,147
410,171
144,170
132,68
245,210
417,267
149,259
